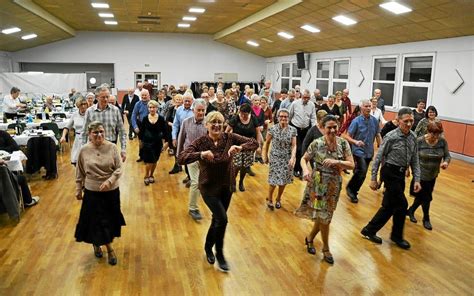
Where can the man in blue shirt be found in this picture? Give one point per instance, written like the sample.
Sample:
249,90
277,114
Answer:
361,134
184,111
139,112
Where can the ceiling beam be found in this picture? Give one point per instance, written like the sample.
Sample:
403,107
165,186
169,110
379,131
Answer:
268,11
35,9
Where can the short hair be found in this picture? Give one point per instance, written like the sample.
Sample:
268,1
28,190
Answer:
80,100
338,93
177,97
264,98
153,103
14,90
431,108
219,91
404,111
328,118
307,92
94,125
90,94
357,109
102,87
321,114
188,95
332,97
212,116
283,110
254,96
421,101
245,108
283,91
198,103
291,91
435,127
319,98
227,92
364,101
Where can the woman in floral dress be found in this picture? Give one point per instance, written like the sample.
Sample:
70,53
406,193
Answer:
282,156
331,155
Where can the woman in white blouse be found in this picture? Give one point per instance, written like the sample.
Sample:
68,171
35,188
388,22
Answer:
76,122
376,112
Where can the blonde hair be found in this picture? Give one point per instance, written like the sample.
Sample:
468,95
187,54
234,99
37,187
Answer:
176,98
80,100
153,103
320,115
214,115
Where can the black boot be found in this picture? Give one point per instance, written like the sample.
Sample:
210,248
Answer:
241,186
411,214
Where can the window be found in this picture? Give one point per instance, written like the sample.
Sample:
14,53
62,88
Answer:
290,75
340,75
384,78
417,77
322,77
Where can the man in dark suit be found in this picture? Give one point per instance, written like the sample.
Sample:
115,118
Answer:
128,103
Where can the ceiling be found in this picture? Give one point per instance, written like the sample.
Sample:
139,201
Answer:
234,22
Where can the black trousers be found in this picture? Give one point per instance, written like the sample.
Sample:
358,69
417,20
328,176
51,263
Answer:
394,202
130,127
218,203
25,190
9,115
424,198
299,146
360,172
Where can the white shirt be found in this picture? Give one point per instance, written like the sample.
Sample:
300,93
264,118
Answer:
138,93
9,104
377,113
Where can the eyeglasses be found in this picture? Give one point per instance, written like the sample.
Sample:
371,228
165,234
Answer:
216,123
83,104
98,132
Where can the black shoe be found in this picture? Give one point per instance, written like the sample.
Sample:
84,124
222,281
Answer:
411,214
222,264
241,186
353,198
371,237
195,214
232,188
250,172
139,160
211,259
427,224
130,138
309,246
297,174
328,257
98,251
401,243
176,169
112,258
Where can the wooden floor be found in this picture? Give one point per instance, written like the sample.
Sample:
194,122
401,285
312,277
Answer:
161,248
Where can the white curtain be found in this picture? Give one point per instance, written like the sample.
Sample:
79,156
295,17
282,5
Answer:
43,82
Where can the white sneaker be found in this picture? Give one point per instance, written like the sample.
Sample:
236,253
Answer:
34,201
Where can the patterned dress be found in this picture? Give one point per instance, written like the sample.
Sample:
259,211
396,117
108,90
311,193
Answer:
280,173
322,193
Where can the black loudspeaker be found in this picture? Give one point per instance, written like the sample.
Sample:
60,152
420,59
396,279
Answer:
300,60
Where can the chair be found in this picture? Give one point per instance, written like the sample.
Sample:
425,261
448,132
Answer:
52,126
11,200
59,115
41,152
14,125
40,115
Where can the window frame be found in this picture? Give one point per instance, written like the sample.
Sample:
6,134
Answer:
292,76
345,80
394,83
321,78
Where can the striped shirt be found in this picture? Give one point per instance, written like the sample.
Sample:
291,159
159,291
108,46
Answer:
190,131
111,118
400,150
431,157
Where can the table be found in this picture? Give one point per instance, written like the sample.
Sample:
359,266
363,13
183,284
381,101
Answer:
15,163
22,140
32,125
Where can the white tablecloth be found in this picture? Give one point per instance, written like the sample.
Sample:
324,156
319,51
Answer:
15,162
22,139
32,125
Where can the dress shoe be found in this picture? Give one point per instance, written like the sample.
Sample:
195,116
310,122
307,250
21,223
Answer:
250,172
241,186
222,264
139,160
98,251
371,237
401,243
411,214
112,259
211,259
176,169
185,180
353,198
296,174
278,205
427,224
328,257
188,184
195,214
309,246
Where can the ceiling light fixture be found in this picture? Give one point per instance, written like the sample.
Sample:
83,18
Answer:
11,30
253,43
30,36
106,15
344,20
285,35
310,28
189,18
111,23
267,40
197,10
100,5
183,25
395,7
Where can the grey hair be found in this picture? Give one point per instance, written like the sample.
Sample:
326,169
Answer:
283,110
102,87
404,111
80,100
188,94
90,94
220,91
364,101
307,91
198,103
292,91
254,96
94,125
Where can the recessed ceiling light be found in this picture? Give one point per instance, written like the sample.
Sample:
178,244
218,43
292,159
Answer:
267,40
253,43
285,35
110,22
106,14
30,36
206,1
100,5
310,28
183,25
344,20
395,7
189,18
197,10
11,30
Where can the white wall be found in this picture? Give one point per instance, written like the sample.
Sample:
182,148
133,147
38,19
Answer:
181,58
450,54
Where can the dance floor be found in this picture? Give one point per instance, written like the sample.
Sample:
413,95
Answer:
161,248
